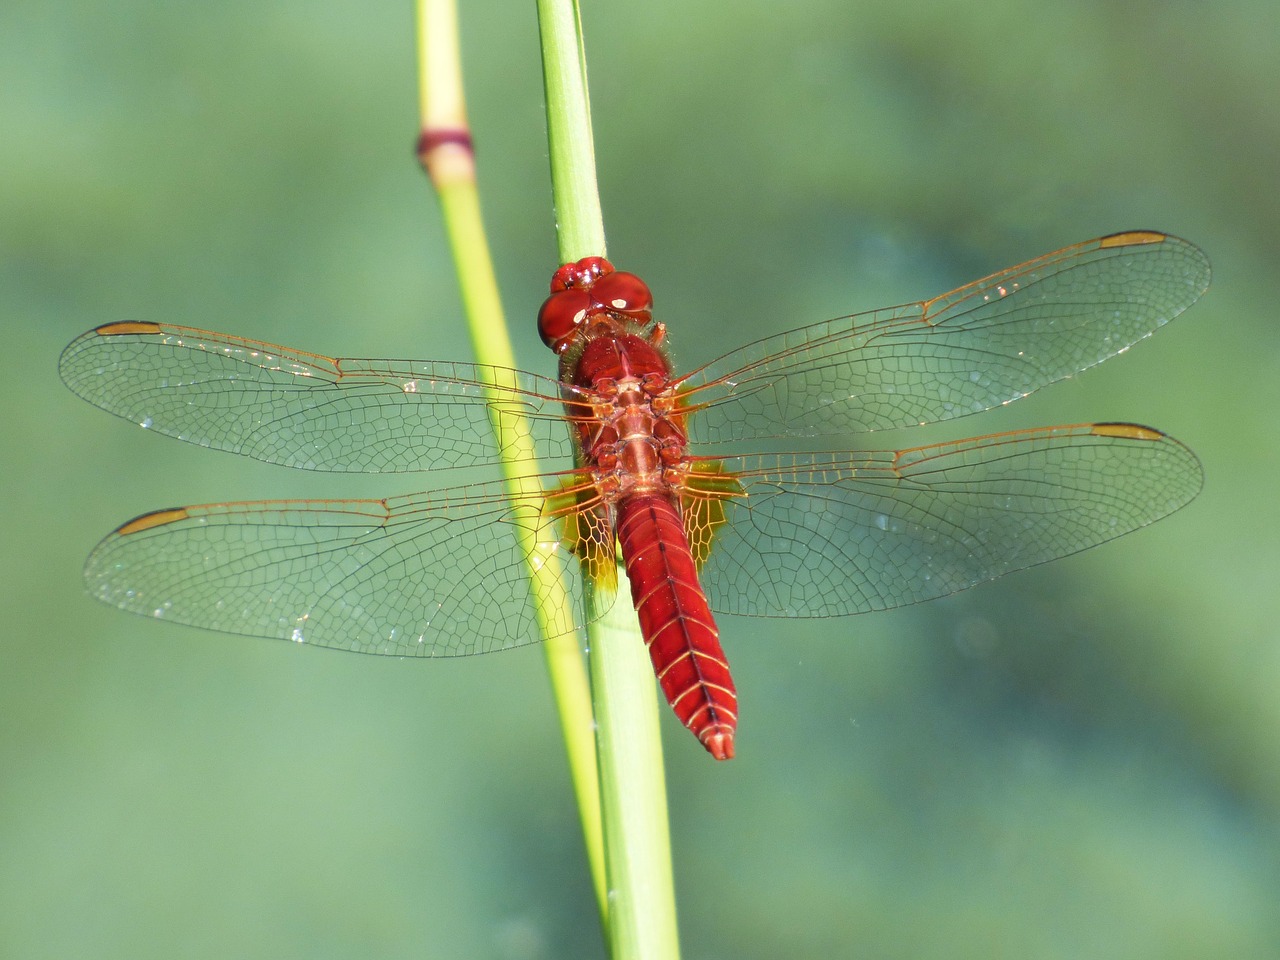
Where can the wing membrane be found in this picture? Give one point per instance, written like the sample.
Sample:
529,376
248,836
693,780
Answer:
985,344
448,573
431,574
814,535
303,410
834,534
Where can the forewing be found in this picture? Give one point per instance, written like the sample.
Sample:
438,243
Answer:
431,574
834,534
985,344
303,410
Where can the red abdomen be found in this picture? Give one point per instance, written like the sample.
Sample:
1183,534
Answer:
682,636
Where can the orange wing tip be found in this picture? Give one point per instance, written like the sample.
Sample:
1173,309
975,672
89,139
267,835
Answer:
1132,238
1126,431
126,327
156,518
719,742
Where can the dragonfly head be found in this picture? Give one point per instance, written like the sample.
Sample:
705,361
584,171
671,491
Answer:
588,293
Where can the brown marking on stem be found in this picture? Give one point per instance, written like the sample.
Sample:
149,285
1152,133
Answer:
447,154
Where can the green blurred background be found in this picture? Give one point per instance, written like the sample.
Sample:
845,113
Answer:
1078,761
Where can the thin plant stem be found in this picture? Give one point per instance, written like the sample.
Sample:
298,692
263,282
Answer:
446,153
642,916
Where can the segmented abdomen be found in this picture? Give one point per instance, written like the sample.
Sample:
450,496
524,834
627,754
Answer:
682,636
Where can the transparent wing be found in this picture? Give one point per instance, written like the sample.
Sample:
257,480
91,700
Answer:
303,410
431,574
447,574
834,534
985,344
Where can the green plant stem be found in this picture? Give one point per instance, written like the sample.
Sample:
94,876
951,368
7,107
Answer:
447,156
642,917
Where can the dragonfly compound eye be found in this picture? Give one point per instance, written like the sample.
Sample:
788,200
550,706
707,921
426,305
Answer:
623,292
560,315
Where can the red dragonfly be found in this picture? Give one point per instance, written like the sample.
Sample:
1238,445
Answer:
447,572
